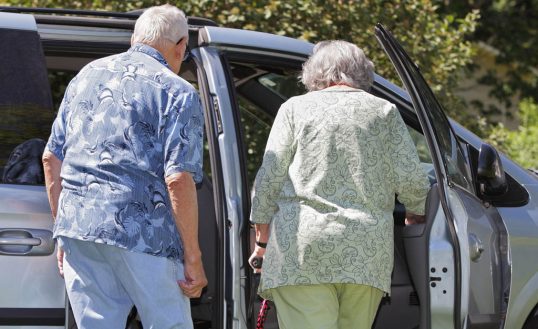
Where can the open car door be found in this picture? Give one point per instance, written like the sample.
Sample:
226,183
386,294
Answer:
32,291
467,267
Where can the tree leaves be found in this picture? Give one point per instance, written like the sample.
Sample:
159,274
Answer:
519,144
438,44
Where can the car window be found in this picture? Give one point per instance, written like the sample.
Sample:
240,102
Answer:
452,155
285,86
25,106
256,126
258,110
420,143
29,129
59,79
260,92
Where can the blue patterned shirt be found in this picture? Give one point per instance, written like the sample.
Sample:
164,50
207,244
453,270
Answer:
125,123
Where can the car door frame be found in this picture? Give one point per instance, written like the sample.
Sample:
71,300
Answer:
217,47
388,44
225,166
450,193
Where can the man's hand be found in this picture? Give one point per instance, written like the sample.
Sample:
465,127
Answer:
185,208
195,279
258,253
60,257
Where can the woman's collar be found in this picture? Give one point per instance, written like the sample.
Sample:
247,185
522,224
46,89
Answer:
340,87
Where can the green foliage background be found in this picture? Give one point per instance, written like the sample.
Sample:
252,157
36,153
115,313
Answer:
519,144
439,35
511,27
437,42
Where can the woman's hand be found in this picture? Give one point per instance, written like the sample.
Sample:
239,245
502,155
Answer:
411,219
256,259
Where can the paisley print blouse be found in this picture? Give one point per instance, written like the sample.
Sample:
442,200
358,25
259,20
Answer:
125,123
334,161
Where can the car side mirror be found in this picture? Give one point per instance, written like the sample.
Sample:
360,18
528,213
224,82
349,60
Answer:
490,172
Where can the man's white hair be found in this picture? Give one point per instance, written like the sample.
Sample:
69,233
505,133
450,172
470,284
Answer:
160,26
337,62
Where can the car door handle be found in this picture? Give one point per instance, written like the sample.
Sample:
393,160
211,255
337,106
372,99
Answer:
26,242
20,241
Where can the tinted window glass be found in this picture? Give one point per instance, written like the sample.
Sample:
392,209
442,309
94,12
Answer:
285,86
25,106
452,156
451,153
420,143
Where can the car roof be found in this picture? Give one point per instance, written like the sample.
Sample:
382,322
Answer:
13,21
235,38
216,35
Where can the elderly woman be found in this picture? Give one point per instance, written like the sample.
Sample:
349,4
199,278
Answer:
323,198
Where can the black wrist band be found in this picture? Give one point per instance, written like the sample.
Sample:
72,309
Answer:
261,244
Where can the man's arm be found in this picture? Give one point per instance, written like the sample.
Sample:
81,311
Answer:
53,183
184,201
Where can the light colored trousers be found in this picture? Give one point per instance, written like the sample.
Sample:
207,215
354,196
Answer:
104,282
326,306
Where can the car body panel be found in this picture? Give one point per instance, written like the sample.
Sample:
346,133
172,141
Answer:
441,256
29,276
522,225
32,284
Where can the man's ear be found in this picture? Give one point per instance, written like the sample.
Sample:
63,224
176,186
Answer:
132,38
177,49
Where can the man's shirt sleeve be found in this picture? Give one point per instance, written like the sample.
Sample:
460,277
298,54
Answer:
56,140
183,137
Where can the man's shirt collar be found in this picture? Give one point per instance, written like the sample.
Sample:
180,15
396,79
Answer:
150,51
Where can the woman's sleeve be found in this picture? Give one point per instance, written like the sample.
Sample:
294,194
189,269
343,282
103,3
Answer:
273,172
410,180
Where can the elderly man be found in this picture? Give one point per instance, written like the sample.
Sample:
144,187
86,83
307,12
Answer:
121,165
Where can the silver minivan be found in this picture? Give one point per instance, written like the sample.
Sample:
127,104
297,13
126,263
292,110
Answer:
472,264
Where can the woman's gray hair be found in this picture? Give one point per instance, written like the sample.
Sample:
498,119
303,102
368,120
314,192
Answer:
160,26
337,62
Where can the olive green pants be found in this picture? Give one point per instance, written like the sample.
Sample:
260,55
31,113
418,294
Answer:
326,306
